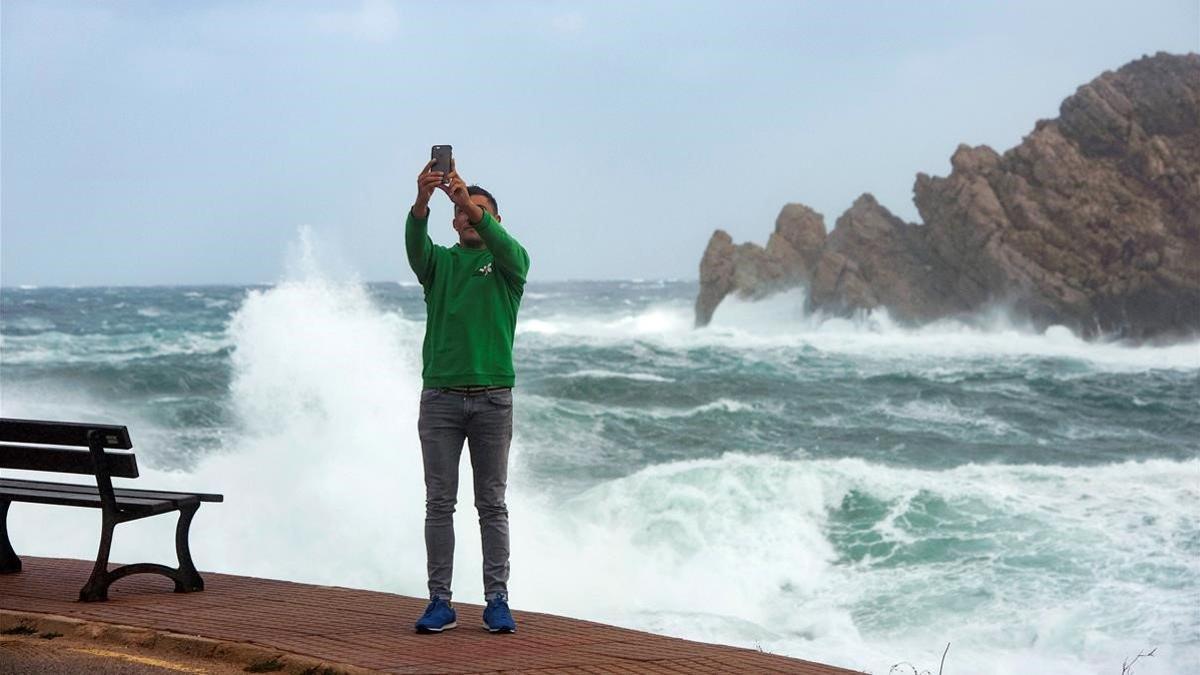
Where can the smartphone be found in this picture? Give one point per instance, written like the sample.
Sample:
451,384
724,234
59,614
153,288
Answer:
441,158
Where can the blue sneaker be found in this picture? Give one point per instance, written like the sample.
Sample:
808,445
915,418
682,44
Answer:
496,616
438,616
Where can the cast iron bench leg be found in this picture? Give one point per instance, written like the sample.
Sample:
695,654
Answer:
9,562
96,587
186,578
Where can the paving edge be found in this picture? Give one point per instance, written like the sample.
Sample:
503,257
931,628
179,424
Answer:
238,654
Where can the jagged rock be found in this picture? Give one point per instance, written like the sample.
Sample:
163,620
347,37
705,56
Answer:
874,259
799,236
1093,221
754,272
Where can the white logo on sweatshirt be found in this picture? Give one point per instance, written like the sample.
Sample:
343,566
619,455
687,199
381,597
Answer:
485,270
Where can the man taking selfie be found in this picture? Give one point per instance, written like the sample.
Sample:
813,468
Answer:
472,293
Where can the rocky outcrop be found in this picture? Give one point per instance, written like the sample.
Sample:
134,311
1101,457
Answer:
753,272
1093,221
874,259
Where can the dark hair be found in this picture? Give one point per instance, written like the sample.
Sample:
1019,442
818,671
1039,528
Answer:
476,190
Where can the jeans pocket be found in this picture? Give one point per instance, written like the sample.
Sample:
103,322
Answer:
502,398
428,395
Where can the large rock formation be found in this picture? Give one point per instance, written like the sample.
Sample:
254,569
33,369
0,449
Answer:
1093,221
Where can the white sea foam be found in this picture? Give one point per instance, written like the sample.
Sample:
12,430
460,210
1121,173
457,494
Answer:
596,411
726,405
765,328
656,322
57,347
945,414
31,324
610,374
722,404
735,550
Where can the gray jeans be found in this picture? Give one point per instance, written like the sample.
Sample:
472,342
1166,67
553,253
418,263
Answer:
484,420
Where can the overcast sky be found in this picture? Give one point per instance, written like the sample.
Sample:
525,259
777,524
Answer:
188,142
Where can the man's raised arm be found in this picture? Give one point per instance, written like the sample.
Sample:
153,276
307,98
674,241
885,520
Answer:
417,243
509,256
507,252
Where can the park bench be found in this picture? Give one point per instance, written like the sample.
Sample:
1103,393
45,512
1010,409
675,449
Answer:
32,445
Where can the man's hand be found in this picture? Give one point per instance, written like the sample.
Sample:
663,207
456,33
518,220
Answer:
427,181
456,189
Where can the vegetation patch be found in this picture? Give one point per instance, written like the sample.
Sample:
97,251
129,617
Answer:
270,665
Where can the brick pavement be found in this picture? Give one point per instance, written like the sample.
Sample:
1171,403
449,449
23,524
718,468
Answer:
373,630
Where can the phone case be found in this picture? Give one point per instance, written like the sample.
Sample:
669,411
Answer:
441,155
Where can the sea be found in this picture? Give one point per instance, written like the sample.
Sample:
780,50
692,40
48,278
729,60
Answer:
845,490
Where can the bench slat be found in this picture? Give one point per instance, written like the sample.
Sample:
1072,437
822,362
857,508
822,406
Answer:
119,492
64,460
61,433
81,499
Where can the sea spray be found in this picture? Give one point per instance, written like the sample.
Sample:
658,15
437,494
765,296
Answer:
857,563
323,454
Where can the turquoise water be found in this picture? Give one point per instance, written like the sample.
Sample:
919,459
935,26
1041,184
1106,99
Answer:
841,490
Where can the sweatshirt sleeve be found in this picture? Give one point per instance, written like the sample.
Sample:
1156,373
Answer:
510,257
419,246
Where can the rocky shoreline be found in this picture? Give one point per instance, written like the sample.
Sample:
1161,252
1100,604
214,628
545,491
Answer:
1092,222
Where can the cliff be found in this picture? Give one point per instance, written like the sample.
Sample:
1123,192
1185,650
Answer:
1092,221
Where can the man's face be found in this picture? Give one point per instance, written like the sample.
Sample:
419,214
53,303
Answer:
467,236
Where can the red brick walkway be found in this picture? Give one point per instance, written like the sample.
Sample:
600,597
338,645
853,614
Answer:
373,630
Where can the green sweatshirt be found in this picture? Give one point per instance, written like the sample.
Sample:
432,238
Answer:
471,301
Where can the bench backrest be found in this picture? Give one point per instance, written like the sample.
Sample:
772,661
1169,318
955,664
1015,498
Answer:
40,448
